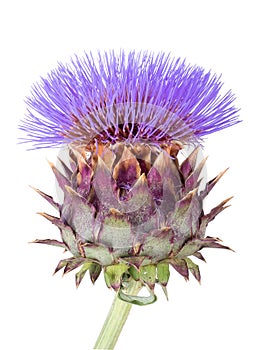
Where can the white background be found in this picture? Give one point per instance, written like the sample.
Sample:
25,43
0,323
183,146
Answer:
39,311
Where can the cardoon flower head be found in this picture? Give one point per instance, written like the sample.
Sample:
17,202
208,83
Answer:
126,98
131,210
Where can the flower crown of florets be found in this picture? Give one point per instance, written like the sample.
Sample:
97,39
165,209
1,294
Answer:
126,97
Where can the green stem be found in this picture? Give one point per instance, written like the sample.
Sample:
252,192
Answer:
116,319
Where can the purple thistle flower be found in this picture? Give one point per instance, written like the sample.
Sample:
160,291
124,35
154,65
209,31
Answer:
134,97
130,210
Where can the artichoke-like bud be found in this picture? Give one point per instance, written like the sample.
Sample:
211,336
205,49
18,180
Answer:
131,210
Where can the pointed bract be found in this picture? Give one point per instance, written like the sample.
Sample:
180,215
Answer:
188,165
80,275
61,179
194,269
47,197
66,170
198,255
180,266
94,272
113,275
53,242
211,184
72,265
